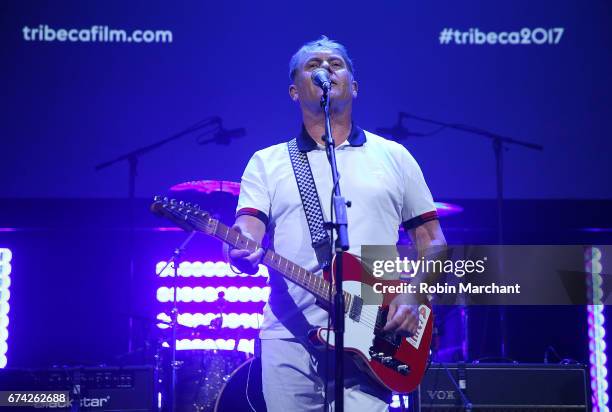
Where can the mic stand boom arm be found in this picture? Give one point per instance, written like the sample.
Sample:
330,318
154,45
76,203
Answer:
132,159
136,153
498,144
498,148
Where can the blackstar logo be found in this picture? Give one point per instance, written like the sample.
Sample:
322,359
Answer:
441,395
83,403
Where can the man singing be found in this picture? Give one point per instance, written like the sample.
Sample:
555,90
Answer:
386,188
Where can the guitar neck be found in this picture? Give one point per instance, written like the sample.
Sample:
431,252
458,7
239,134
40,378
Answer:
295,273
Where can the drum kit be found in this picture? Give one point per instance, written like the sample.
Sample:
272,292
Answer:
216,379
200,375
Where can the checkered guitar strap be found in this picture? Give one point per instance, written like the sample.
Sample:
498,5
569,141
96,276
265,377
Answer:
321,242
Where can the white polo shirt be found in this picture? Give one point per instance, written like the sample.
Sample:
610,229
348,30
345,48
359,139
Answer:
381,179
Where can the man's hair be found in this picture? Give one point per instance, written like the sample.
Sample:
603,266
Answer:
324,43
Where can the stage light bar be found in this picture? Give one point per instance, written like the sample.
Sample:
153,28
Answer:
596,332
5,282
244,345
211,294
205,269
230,320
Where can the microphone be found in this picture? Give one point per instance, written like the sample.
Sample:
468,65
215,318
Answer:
224,136
397,132
220,135
320,77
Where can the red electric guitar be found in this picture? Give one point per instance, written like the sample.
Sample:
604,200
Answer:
396,362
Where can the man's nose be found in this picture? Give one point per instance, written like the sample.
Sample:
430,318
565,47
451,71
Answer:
325,65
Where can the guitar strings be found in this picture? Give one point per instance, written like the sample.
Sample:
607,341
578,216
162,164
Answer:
366,319
200,221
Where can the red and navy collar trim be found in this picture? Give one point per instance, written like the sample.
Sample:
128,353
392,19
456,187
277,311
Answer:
305,143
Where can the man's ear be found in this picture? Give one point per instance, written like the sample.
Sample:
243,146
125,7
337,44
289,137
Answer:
355,88
293,93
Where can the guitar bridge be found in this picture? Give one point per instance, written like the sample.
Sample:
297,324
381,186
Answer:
386,345
390,362
390,337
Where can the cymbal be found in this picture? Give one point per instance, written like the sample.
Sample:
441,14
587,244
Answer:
208,186
218,197
233,188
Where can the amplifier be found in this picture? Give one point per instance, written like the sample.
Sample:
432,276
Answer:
102,389
505,387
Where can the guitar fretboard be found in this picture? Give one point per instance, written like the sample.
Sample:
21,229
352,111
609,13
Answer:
292,271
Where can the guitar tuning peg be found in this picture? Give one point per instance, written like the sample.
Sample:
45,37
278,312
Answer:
188,205
172,201
182,203
196,207
156,198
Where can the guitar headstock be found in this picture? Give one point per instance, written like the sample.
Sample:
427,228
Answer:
185,215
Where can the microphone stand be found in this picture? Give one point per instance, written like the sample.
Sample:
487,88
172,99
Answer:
132,158
340,225
174,365
498,142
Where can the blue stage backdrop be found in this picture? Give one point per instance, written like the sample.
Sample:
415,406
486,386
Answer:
85,81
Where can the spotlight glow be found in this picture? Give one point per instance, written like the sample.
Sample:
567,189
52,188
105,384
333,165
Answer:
5,282
205,269
216,278
597,332
244,345
211,294
230,320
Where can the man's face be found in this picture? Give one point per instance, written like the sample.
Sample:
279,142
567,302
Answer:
344,88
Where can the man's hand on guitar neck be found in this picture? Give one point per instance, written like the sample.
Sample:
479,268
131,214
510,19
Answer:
243,259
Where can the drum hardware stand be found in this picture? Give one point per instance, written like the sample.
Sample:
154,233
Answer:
460,384
217,323
174,364
158,372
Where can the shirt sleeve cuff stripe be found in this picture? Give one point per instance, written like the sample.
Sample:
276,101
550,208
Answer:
419,220
251,211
